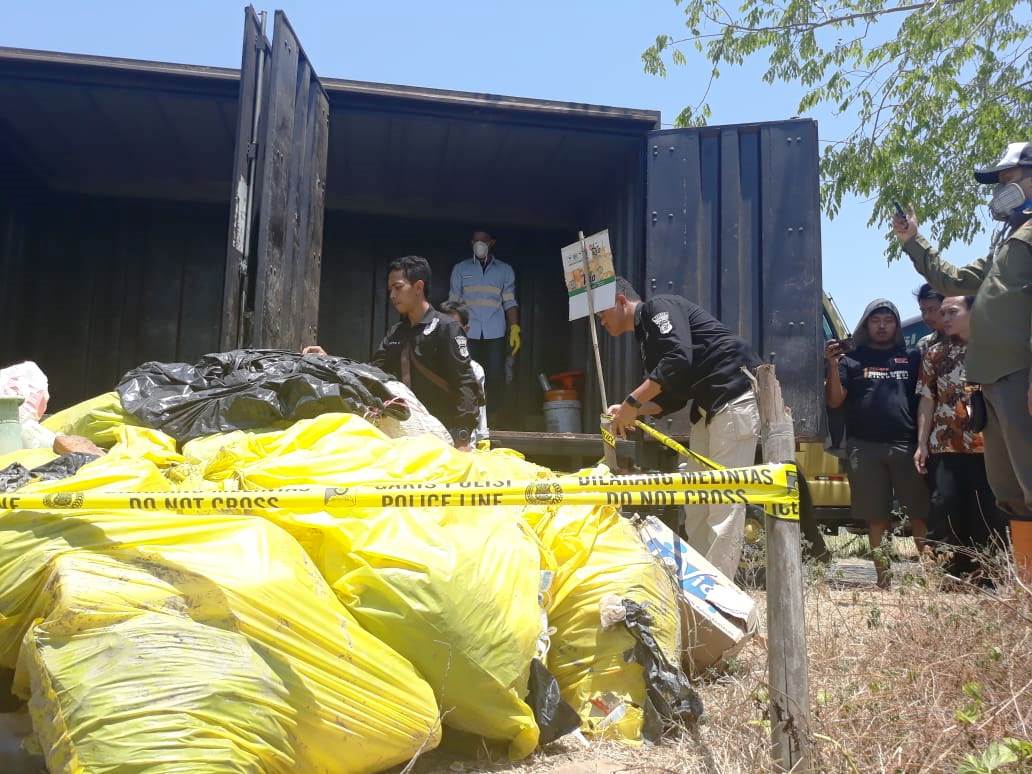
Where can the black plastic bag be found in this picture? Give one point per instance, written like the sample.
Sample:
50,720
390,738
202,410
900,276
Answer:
250,388
554,717
669,693
17,475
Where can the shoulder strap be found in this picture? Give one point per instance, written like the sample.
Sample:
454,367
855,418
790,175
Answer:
408,360
406,363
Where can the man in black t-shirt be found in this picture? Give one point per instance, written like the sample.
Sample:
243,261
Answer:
876,385
689,355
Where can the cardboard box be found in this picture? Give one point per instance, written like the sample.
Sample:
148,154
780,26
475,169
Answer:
717,617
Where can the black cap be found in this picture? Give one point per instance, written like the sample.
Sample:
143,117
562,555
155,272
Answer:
1018,154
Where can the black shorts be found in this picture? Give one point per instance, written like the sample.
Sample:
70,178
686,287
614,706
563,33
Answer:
877,471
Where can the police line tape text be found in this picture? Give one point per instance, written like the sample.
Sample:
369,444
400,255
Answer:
214,502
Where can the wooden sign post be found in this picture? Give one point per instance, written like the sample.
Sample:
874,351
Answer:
592,323
786,624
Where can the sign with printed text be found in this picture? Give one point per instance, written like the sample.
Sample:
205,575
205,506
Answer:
600,269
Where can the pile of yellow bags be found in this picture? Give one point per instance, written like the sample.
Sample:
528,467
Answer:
281,641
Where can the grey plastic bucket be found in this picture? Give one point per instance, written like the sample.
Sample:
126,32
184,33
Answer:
563,416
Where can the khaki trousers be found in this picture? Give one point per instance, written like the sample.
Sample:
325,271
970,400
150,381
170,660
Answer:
718,531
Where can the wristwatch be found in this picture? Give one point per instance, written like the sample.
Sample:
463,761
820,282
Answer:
633,402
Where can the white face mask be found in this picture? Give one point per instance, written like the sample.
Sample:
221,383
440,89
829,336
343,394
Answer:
481,250
1007,197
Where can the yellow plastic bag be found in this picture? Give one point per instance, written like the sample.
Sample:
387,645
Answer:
144,443
217,632
97,418
598,553
28,458
456,592
335,449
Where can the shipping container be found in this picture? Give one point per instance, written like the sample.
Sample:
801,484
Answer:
119,182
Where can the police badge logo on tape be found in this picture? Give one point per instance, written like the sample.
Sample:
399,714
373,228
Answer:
63,500
339,496
544,493
463,345
662,321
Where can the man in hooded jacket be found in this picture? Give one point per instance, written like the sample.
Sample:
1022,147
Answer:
999,355
876,385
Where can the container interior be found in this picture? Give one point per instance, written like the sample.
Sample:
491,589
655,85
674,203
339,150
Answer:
114,189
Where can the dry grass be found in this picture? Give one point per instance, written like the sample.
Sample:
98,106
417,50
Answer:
917,679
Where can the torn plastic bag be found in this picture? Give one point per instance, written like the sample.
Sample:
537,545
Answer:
14,476
599,554
670,695
17,475
245,389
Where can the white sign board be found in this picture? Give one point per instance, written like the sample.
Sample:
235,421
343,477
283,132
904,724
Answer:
600,267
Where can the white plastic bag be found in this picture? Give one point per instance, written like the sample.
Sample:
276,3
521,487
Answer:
26,380
420,421
35,436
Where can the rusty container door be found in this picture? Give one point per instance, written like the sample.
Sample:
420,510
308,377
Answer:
274,256
732,223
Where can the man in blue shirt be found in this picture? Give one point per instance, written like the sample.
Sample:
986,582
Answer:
488,287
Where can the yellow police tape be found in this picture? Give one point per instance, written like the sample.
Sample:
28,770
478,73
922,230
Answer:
610,440
670,443
773,486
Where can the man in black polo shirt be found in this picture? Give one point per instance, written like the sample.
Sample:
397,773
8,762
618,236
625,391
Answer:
876,384
428,351
688,354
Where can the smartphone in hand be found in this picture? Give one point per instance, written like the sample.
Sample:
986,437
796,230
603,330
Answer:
846,345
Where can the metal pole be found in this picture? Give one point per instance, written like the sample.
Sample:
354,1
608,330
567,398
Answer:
592,323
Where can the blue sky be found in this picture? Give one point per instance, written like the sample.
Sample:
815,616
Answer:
575,50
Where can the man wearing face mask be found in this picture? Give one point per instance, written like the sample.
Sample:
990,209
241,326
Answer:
488,287
999,355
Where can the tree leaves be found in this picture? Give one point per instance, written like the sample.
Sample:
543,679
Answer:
932,89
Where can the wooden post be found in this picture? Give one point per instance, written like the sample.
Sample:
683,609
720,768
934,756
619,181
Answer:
592,324
786,625
608,449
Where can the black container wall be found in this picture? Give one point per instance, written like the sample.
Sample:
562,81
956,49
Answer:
112,236
733,224
95,286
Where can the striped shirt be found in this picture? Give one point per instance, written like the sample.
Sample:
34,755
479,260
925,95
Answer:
489,291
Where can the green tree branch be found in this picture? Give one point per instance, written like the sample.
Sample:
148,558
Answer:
932,89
